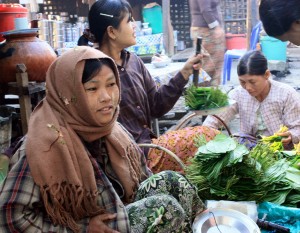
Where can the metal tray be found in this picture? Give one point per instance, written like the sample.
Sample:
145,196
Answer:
221,220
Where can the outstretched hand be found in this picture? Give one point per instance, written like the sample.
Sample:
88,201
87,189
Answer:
192,63
287,138
97,224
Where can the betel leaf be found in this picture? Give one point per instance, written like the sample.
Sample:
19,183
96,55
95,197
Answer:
289,153
237,154
277,171
203,150
221,144
293,198
293,175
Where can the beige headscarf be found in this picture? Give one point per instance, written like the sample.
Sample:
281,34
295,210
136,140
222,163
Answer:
58,160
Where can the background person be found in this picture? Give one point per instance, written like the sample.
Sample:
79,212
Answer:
263,104
112,29
206,21
78,170
281,19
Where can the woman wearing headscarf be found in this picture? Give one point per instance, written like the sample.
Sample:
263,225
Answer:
78,170
112,29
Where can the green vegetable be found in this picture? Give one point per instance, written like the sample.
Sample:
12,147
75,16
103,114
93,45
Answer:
274,141
221,144
197,98
222,169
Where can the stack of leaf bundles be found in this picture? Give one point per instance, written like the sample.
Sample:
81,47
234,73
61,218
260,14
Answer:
199,98
222,169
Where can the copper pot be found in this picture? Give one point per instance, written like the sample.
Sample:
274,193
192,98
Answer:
23,47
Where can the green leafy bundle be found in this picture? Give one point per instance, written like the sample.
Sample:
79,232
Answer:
222,169
199,98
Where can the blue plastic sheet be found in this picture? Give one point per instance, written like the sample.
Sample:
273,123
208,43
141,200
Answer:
285,216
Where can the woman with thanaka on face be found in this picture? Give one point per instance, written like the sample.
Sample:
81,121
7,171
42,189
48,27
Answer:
112,29
78,170
281,19
263,104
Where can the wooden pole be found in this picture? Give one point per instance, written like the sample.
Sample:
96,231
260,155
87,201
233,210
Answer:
254,13
168,37
24,98
249,22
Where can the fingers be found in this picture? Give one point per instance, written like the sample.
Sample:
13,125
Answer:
197,58
287,137
285,134
287,140
197,66
97,224
196,61
102,228
107,217
192,63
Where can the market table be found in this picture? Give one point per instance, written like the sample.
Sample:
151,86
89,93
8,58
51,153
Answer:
164,74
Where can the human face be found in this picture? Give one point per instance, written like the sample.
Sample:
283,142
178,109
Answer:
103,94
293,34
126,33
256,85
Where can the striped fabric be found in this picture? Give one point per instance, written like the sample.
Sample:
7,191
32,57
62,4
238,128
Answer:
281,107
22,209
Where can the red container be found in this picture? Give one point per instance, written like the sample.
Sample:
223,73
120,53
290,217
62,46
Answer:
236,41
8,14
25,48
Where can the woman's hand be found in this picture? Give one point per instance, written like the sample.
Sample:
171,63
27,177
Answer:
97,224
191,64
287,139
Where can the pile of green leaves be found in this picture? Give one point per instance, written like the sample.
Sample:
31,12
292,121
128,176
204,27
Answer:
199,98
222,169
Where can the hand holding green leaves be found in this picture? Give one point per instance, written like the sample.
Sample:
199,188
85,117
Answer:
276,140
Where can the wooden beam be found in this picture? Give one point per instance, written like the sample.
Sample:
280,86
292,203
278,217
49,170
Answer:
168,36
249,22
24,99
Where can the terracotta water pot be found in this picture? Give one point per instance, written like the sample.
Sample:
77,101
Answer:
24,47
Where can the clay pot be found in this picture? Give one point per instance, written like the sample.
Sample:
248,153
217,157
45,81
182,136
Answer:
23,47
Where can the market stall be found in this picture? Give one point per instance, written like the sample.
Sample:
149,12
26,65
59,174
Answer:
222,169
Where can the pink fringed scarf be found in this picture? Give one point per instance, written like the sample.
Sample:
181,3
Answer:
58,160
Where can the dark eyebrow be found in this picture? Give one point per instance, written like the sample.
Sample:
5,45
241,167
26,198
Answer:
112,77
109,79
